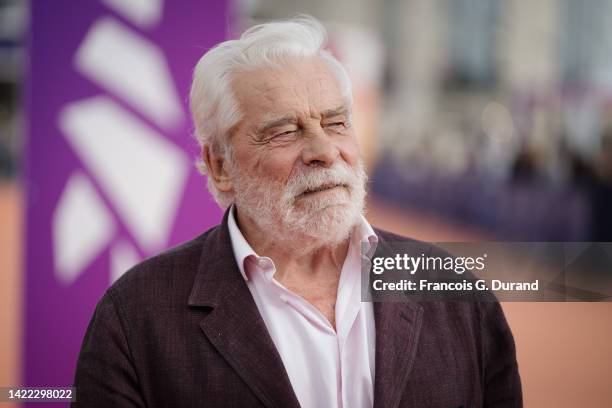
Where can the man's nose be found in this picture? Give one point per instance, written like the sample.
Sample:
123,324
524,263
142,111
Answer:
319,150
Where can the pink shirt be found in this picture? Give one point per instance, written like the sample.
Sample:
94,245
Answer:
326,367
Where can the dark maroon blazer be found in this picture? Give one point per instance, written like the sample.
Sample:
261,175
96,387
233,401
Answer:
181,329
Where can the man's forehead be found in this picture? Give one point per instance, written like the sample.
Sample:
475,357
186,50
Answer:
294,84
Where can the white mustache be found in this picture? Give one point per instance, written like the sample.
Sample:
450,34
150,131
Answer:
310,180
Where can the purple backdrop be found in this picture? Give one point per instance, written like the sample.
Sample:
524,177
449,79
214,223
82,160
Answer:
68,39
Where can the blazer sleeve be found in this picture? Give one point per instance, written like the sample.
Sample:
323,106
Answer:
105,374
502,383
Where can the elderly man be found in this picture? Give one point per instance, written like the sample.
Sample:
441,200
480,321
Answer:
265,309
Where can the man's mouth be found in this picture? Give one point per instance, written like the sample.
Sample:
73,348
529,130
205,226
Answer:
323,187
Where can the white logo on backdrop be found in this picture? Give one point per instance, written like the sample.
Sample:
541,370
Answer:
140,173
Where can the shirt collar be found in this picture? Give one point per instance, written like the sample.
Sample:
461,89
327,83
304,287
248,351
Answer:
242,249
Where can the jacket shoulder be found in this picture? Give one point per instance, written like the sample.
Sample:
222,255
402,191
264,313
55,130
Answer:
396,242
387,236
172,270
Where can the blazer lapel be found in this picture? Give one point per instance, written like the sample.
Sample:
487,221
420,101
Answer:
234,326
397,334
398,325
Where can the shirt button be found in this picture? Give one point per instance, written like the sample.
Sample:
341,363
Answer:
283,298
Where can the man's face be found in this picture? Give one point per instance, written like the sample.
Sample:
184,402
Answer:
297,162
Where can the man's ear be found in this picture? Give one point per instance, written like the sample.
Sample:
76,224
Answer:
217,168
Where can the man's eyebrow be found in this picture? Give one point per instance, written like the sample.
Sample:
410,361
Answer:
330,113
285,120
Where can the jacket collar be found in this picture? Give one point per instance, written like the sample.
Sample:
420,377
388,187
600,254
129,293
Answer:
398,328
234,326
237,330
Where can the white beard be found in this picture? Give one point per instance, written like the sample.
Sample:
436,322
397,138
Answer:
290,212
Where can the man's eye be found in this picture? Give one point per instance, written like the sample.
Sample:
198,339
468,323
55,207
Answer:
279,137
335,124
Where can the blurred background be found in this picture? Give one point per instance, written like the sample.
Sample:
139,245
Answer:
479,120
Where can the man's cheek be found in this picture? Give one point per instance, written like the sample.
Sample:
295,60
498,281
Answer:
349,150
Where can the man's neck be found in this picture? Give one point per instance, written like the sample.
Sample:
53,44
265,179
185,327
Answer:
303,265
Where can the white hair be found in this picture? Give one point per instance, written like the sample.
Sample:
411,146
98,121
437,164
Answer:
214,108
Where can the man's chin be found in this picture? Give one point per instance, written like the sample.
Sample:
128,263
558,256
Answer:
316,203
330,220
323,210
